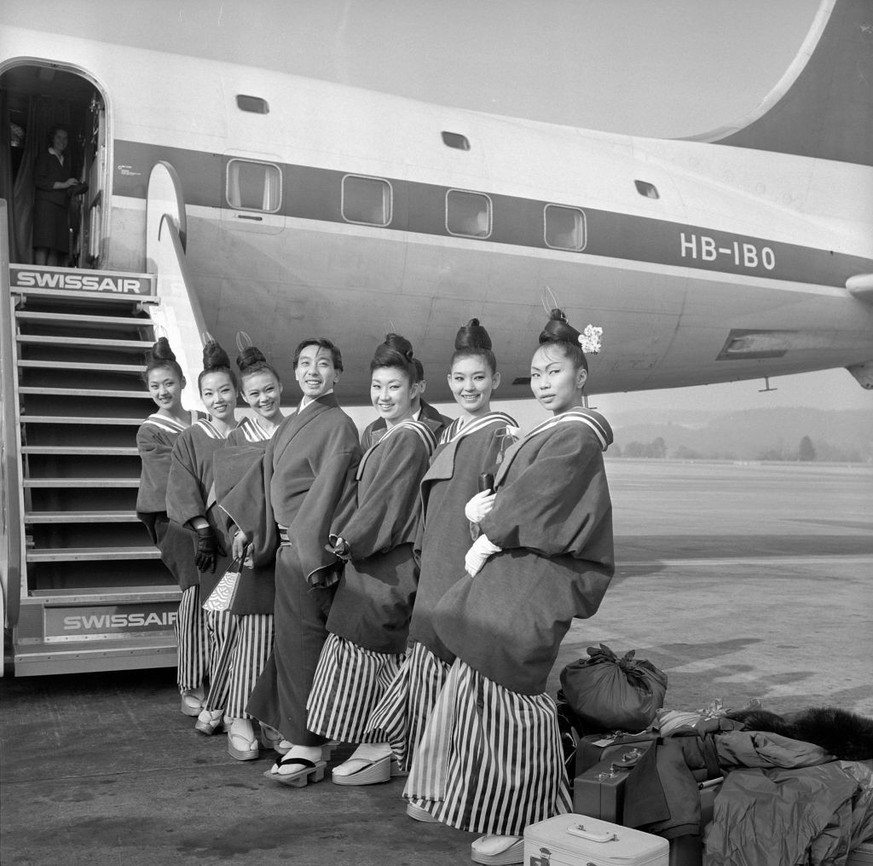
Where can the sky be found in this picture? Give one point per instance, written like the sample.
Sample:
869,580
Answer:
671,68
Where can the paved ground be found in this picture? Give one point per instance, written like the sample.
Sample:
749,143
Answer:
738,580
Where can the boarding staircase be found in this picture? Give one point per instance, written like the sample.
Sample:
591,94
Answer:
83,587
94,594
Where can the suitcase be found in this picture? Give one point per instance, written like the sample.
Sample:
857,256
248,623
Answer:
577,840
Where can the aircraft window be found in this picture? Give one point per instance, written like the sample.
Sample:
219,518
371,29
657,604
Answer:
255,104
649,190
456,140
366,200
254,185
564,228
468,214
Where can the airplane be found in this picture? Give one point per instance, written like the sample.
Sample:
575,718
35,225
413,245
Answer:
241,198
307,207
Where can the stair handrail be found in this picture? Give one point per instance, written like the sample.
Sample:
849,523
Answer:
11,547
179,314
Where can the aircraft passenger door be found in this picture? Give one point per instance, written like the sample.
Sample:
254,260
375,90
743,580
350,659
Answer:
93,202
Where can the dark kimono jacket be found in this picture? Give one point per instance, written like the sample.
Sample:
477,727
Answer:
154,440
246,445
191,489
552,519
444,536
307,473
373,601
428,415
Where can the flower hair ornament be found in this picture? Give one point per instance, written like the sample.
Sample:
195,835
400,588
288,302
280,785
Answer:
590,340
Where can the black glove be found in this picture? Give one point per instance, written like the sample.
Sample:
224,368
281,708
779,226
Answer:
208,548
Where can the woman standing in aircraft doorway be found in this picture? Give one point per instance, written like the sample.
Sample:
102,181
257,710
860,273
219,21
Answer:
369,620
473,444
154,440
490,758
251,605
53,176
191,503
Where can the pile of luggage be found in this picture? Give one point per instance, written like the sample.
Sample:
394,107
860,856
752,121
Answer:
716,786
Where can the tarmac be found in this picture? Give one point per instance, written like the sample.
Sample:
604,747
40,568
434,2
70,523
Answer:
738,580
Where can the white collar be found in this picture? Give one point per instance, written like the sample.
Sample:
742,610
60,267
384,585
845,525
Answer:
307,400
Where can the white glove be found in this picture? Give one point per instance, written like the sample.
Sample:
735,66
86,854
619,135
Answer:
478,554
479,506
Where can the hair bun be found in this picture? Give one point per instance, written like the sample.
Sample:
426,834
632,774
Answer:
558,329
401,345
472,336
250,356
161,350
214,356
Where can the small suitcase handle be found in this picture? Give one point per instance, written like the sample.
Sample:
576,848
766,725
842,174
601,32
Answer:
579,830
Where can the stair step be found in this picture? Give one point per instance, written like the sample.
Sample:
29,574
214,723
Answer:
84,392
80,517
91,554
75,320
75,483
141,346
89,450
97,368
85,297
67,419
57,597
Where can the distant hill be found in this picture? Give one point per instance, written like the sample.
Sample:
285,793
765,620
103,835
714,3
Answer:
753,434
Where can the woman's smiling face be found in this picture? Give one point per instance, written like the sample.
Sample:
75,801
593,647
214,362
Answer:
218,395
471,382
392,393
262,391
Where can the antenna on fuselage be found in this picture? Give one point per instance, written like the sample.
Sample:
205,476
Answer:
766,387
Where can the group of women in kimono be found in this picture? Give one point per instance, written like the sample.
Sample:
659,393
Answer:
409,598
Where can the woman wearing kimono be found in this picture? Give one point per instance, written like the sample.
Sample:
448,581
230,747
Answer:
191,503
369,619
154,440
473,444
490,759
289,500
251,606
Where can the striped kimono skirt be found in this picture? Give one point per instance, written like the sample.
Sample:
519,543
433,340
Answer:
349,682
490,760
408,702
191,641
242,645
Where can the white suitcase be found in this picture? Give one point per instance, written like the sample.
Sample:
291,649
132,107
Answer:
577,840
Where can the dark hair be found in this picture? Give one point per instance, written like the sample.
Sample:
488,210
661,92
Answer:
215,360
322,343
252,360
58,127
473,341
396,351
561,333
161,355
